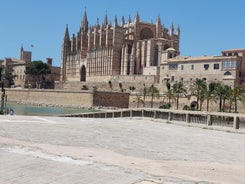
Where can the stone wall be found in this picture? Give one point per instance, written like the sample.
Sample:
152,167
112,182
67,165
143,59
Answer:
111,99
52,97
84,98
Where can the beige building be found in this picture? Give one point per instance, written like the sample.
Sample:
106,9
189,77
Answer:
227,69
241,53
18,67
103,52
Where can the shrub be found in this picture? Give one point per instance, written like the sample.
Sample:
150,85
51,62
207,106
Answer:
131,88
85,87
187,108
165,106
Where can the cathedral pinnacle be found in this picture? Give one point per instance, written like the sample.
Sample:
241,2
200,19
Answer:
158,20
115,21
105,21
137,17
123,21
66,37
85,22
129,19
178,30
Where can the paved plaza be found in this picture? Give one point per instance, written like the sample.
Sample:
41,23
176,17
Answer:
58,150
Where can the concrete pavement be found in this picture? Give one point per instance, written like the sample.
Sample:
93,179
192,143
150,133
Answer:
52,150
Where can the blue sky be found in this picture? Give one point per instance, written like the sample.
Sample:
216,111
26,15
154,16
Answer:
207,26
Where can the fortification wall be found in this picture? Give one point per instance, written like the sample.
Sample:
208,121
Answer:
53,97
84,98
111,99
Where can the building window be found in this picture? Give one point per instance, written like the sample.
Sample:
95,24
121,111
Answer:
192,67
172,78
182,67
229,64
173,66
216,66
206,66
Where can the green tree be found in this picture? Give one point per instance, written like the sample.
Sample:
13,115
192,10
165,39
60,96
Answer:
199,89
238,95
227,95
218,94
209,95
138,100
38,69
9,76
153,92
144,91
222,93
169,94
179,90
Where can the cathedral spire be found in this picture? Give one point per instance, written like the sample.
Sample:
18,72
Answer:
97,23
123,21
159,28
158,20
105,21
85,22
66,37
178,30
129,19
115,21
137,17
21,52
172,30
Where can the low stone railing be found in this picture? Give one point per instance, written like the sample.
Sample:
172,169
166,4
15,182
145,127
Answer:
232,120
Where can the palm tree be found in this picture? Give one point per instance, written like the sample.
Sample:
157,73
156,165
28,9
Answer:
209,95
219,93
238,95
153,92
169,95
138,100
144,91
227,95
178,90
199,89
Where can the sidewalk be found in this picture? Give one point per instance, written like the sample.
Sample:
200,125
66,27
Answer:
58,150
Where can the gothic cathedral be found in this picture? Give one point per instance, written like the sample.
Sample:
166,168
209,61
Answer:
131,48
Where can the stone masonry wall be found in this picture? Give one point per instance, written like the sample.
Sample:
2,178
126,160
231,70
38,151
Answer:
111,99
52,97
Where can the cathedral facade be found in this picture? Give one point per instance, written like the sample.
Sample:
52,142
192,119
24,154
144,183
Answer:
132,48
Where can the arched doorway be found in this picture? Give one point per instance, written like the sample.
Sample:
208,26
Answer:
193,105
83,74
